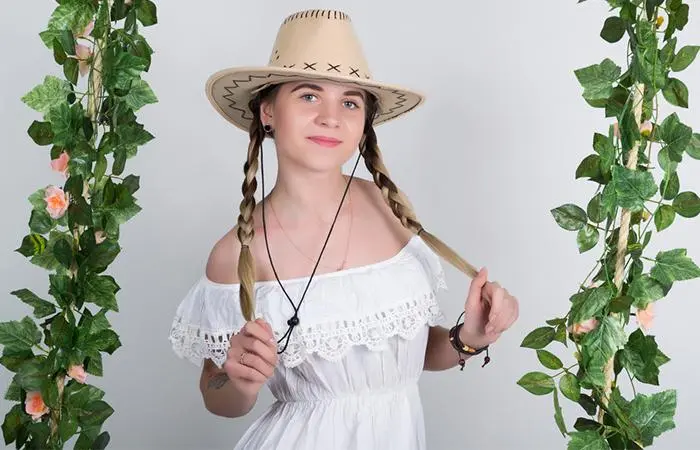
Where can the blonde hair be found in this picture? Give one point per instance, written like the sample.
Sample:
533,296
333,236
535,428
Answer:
393,196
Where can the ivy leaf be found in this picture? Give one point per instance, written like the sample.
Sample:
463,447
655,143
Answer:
73,14
597,80
629,129
595,209
66,122
590,168
645,290
687,204
587,238
140,95
674,265
42,308
669,190
19,335
599,346
569,386
40,132
52,92
538,338
103,255
587,440
676,136
147,13
31,375
613,29
676,92
684,57
100,290
693,148
589,303
549,360
653,414
47,260
664,217
537,383
32,244
570,217
558,416
633,187
639,357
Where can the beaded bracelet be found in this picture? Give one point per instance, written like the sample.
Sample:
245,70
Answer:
462,348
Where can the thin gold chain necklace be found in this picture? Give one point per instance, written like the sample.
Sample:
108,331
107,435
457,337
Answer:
347,244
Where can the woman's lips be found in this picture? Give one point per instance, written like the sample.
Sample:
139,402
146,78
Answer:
324,141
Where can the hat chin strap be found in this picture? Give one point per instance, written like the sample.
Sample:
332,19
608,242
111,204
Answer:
294,320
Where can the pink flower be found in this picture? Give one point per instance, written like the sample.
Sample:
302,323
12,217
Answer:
56,202
127,2
60,164
585,326
78,374
616,129
83,53
87,30
645,128
100,237
645,317
34,405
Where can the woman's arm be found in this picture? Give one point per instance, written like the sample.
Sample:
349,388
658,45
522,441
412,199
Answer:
439,353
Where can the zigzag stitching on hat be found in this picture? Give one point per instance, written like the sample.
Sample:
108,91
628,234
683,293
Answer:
398,104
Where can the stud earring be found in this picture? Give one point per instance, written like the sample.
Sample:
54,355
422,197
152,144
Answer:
267,128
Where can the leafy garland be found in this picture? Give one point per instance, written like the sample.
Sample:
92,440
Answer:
74,228
622,168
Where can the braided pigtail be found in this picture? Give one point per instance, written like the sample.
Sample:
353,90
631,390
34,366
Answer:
400,205
245,232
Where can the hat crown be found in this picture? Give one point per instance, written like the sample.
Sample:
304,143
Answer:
320,41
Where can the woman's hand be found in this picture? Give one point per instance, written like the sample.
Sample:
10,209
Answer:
252,356
489,310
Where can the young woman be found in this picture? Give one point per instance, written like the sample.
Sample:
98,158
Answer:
325,291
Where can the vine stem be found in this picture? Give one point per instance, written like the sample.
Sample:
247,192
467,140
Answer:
638,98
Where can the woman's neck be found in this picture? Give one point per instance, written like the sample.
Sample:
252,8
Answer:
297,198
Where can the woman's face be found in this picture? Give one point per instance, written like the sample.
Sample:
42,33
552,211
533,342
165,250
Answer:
317,124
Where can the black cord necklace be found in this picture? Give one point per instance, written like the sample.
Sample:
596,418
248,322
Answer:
294,320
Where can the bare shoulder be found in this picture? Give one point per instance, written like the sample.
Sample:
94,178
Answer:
378,206
222,265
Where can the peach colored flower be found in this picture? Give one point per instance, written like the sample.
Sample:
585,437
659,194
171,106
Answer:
83,53
645,128
56,202
34,405
60,164
78,374
585,326
100,236
616,130
127,2
645,317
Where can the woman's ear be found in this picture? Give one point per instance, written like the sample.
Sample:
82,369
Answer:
266,109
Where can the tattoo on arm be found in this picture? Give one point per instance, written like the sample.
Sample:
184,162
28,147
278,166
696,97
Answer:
217,381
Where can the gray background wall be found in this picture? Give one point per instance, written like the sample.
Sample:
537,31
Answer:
484,160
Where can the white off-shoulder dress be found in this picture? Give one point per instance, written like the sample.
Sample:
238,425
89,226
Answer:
349,376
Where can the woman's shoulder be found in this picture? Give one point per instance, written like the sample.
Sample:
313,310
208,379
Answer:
222,263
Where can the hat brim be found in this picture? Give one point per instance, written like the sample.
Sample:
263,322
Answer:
230,91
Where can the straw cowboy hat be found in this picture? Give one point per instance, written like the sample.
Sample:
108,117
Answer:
315,44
